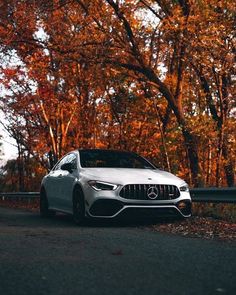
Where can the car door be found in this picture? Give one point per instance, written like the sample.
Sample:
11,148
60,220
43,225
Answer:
67,180
53,187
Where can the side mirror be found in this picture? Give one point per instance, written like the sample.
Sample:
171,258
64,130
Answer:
67,167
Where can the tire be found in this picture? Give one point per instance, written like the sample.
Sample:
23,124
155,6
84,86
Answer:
78,206
44,211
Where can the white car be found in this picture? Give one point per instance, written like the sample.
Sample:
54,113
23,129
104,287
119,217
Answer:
108,183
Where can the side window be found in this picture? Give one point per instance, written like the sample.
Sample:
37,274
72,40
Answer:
64,160
58,165
61,162
71,158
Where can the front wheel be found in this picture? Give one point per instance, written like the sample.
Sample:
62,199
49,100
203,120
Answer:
78,206
44,211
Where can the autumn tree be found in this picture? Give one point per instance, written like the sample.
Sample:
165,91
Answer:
138,49
148,38
214,64
54,87
153,76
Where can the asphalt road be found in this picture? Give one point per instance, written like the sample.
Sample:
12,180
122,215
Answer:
53,256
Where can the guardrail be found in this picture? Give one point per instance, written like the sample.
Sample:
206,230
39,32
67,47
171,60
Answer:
209,195
19,195
214,194
26,197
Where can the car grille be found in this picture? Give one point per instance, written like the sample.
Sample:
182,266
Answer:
149,192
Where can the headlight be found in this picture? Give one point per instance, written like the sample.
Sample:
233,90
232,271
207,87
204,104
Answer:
102,186
184,188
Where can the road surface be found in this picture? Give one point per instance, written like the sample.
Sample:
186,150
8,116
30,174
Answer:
53,256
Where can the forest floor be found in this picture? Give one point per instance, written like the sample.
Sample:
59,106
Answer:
200,227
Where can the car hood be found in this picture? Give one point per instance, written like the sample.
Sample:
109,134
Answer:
131,176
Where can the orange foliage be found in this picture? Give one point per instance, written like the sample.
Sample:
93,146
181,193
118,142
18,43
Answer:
137,75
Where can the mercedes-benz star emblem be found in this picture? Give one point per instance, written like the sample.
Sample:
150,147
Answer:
152,193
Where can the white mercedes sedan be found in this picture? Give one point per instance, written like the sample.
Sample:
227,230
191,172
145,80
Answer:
108,183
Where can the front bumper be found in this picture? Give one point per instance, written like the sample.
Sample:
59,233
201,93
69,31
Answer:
111,208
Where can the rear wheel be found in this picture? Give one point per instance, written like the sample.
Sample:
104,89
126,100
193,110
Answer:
44,211
78,206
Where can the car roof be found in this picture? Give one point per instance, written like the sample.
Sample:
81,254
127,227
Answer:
105,150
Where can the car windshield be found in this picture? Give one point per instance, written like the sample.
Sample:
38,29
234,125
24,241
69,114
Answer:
112,159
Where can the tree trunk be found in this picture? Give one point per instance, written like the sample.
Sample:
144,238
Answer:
20,166
220,120
165,152
228,164
191,147
188,136
209,164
